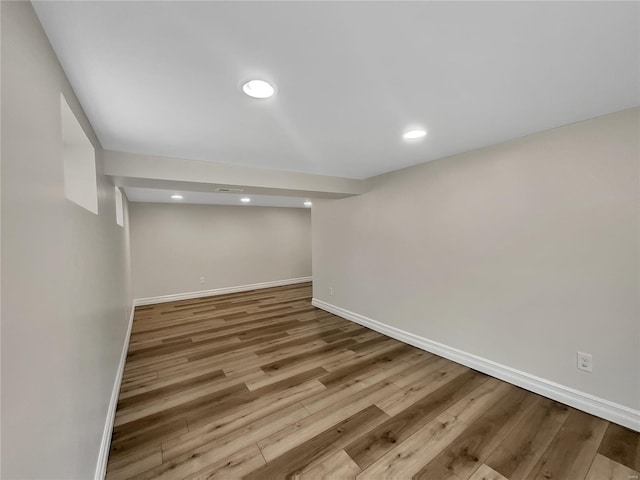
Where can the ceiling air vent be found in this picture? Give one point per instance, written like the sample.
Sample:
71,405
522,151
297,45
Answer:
229,190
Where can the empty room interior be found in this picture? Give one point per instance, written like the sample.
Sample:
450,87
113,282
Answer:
320,240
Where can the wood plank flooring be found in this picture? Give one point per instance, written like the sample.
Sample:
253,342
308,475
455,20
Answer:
263,385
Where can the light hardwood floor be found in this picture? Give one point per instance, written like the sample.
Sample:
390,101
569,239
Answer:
263,385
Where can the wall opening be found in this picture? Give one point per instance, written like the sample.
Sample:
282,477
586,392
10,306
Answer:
119,208
79,159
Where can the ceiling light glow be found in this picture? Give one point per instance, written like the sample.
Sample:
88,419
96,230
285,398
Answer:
414,134
245,199
308,203
176,197
258,89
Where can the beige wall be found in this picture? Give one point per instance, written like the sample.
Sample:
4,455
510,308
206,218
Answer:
174,245
65,275
523,253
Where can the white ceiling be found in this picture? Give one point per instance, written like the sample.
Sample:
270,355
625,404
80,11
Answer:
153,195
164,78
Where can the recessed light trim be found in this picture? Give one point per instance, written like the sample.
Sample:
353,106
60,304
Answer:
308,203
258,89
414,134
245,199
177,197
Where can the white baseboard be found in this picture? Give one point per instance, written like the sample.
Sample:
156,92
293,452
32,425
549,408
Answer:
586,402
218,291
103,456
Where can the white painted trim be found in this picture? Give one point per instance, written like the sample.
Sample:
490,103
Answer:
218,291
586,402
103,456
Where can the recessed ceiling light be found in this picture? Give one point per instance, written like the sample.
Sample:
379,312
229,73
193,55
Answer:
176,197
308,203
258,89
245,199
414,134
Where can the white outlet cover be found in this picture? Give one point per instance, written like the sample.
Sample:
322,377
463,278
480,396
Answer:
585,362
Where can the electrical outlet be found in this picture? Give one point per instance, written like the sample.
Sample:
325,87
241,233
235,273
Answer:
585,362
331,291
201,279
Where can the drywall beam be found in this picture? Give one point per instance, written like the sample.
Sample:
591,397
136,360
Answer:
148,171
